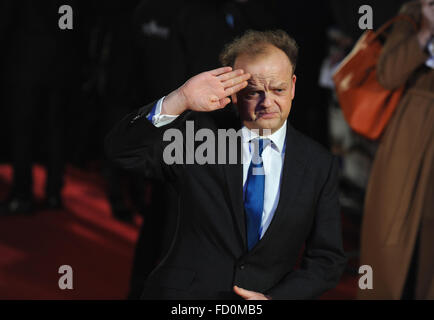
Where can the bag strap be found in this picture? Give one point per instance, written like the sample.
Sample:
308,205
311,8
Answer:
389,23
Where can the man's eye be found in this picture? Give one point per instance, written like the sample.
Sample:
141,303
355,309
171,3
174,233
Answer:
279,90
252,93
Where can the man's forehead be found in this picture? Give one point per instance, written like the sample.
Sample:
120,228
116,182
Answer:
268,65
257,80
267,51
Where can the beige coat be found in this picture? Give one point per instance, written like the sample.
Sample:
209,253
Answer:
400,196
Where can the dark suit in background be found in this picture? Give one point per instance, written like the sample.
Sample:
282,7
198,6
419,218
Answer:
202,28
43,74
153,26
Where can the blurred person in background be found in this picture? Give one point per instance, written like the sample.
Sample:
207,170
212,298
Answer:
7,11
398,222
42,76
107,94
356,153
152,31
307,22
116,83
201,28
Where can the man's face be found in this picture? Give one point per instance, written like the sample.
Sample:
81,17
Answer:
266,102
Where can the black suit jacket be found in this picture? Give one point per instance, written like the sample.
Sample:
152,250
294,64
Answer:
209,255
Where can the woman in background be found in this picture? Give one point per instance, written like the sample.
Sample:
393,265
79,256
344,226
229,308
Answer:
398,227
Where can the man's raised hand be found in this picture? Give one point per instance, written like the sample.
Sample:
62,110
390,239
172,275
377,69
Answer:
207,91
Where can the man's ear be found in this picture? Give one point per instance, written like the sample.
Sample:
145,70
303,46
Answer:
294,80
234,98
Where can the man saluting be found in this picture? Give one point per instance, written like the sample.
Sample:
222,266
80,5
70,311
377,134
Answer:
242,225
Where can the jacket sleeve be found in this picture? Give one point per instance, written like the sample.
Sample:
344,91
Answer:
136,144
324,259
401,54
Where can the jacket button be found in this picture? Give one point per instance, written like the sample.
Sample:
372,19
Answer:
242,267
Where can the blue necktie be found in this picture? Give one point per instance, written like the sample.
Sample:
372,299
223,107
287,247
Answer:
254,195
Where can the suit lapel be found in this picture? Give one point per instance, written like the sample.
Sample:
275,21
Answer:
234,178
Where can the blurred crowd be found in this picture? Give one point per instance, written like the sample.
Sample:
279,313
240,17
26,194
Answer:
62,90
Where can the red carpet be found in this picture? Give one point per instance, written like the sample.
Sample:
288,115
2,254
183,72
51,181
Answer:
83,235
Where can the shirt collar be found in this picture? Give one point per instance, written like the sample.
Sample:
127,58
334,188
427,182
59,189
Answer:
277,138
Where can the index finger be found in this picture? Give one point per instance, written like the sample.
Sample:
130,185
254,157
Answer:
219,71
229,75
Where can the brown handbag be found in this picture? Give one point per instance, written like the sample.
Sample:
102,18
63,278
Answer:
366,104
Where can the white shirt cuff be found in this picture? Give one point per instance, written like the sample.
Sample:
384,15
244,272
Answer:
159,119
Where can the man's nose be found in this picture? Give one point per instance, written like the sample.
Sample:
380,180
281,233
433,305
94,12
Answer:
267,101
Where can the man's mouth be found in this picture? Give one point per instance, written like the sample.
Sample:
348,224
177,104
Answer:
266,115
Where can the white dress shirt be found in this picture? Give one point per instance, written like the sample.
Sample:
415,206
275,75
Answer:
273,157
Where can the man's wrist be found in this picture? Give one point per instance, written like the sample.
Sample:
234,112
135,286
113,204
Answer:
175,103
